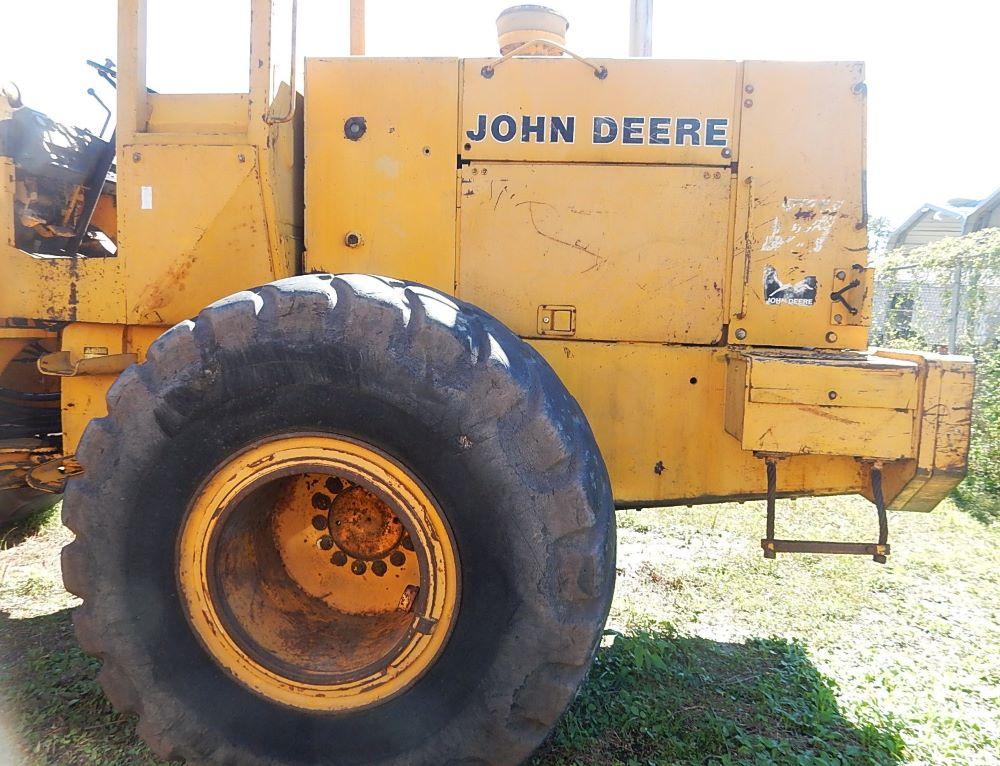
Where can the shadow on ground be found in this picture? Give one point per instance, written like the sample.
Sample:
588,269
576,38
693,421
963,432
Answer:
655,697
652,697
50,701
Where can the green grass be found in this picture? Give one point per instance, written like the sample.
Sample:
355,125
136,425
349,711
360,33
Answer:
713,656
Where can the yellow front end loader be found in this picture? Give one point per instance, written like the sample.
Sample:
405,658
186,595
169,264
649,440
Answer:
341,389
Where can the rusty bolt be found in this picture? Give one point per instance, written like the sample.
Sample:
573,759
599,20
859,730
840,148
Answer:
319,522
468,147
397,558
748,88
408,543
338,559
325,542
320,502
354,128
136,156
748,102
358,567
727,152
334,484
832,395
379,568
352,239
741,334
831,337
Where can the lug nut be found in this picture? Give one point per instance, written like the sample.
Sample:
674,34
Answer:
319,522
358,567
397,558
325,542
321,502
379,568
334,484
338,559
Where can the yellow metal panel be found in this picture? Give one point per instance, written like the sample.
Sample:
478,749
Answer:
395,186
807,428
866,382
861,406
138,339
640,252
83,396
943,429
800,218
198,112
669,91
657,413
192,228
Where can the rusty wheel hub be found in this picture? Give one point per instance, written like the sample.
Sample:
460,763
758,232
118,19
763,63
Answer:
318,572
362,525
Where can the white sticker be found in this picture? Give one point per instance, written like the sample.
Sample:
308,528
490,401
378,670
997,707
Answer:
146,197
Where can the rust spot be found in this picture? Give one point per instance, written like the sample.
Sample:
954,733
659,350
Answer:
408,599
362,525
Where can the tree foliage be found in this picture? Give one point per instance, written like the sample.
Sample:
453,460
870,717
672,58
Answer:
972,262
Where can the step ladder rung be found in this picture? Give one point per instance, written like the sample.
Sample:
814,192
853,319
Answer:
772,547
878,551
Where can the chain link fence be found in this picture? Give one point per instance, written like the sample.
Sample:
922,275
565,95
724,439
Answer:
908,306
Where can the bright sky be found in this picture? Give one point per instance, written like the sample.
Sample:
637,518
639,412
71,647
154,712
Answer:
934,91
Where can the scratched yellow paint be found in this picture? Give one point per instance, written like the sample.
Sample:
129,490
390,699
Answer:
799,204
581,235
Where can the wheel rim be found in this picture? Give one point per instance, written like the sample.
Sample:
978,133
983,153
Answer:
318,572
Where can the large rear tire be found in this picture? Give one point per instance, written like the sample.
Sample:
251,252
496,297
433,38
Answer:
497,458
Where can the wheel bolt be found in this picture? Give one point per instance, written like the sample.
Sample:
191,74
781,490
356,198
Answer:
321,502
397,558
334,484
319,522
358,567
379,568
326,542
338,559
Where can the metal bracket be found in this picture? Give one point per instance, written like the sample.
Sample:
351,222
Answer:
838,295
600,71
878,551
51,476
66,364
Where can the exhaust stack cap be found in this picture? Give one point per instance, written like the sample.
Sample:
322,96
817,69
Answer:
520,24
